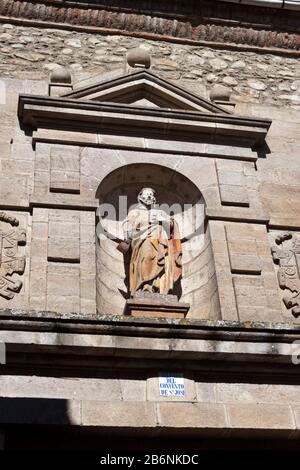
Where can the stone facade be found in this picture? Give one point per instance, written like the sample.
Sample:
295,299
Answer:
266,78
71,144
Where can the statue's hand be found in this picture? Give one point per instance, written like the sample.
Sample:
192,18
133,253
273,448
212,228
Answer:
124,246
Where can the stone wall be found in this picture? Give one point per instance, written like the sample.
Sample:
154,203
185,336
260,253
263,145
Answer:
260,78
218,408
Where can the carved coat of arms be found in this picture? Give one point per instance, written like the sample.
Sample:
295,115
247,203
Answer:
287,256
10,263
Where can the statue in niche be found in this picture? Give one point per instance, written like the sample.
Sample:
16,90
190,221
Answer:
156,254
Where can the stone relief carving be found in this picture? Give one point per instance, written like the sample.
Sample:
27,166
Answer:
10,262
287,256
8,218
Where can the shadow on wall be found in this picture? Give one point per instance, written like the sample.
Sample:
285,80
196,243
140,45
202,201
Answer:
24,414
35,411
117,193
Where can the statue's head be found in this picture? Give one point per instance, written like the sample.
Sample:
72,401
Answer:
147,196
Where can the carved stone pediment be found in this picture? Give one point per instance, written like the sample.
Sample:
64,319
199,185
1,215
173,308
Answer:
144,85
10,263
142,104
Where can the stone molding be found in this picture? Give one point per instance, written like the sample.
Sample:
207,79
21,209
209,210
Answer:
44,112
48,321
111,343
114,346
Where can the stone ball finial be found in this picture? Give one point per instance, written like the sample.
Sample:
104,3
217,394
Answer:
139,57
220,93
60,75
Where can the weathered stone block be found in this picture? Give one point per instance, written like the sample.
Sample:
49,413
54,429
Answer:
133,389
251,298
65,169
63,250
242,248
40,230
258,393
232,183
22,151
60,387
63,279
260,416
14,191
63,288
64,236
118,414
233,195
206,392
65,181
191,415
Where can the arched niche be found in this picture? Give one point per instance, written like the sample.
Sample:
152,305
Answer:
118,192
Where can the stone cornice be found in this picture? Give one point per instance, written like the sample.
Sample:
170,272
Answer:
204,22
47,321
116,342
70,114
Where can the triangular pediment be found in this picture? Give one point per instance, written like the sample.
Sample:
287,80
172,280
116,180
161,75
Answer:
139,104
145,89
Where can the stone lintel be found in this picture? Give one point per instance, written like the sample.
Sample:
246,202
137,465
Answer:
231,151
213,419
